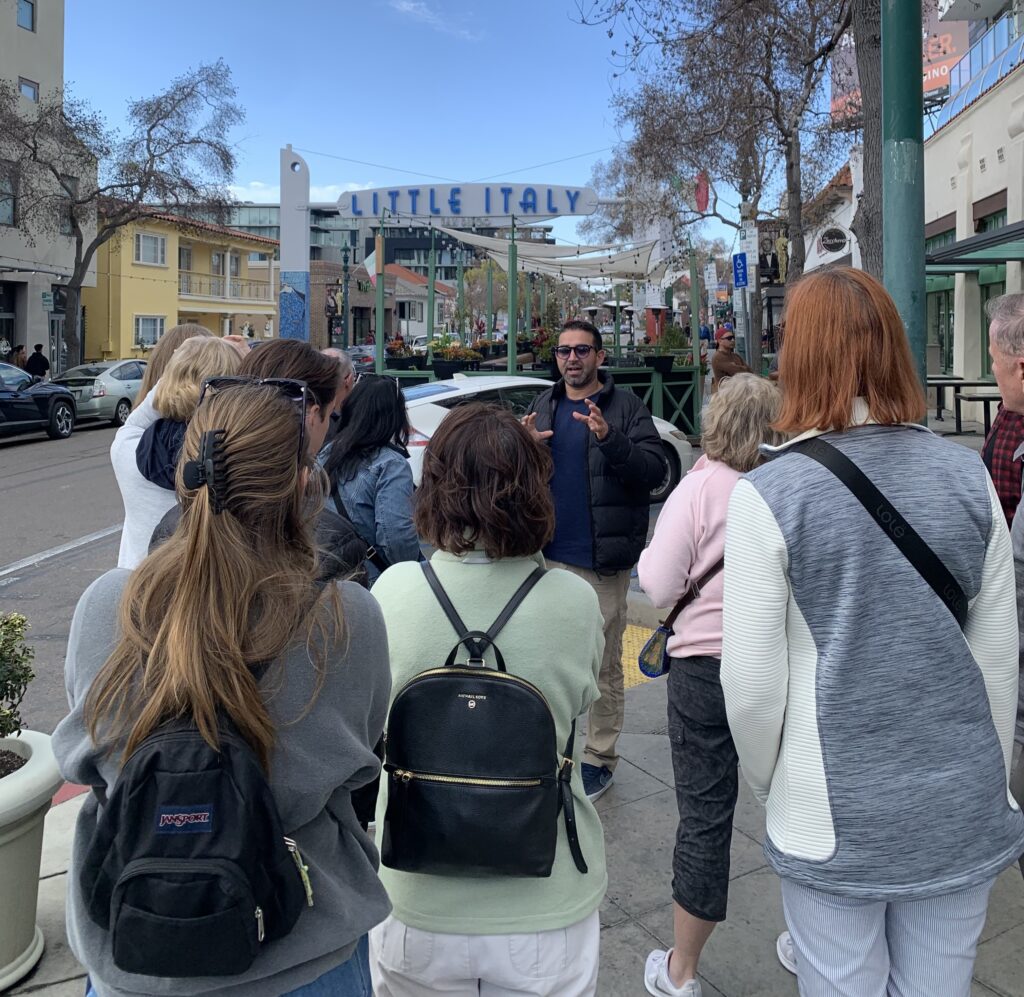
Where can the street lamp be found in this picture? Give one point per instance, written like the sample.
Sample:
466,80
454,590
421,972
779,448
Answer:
344,297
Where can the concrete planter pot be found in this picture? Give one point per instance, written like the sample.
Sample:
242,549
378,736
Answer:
25,798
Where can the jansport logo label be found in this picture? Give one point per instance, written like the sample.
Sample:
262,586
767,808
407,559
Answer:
185,820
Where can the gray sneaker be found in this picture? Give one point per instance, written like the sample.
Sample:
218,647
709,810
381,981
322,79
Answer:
596,780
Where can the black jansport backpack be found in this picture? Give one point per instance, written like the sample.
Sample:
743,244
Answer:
188,868
475,778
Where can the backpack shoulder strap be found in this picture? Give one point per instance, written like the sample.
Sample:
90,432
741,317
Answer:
923,559
566,803
374,556
475,641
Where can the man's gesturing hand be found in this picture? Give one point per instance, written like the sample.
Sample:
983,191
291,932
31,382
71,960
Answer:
594,420
530,422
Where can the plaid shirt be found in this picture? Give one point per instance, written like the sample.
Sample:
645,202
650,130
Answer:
1004,438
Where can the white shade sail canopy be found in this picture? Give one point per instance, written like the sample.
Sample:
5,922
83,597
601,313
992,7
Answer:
629,264
540,250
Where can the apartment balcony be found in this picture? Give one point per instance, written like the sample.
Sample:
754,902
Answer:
226,294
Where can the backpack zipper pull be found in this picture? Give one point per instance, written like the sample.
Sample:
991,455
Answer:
300,864
260,933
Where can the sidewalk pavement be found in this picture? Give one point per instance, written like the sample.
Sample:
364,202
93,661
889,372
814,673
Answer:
639,816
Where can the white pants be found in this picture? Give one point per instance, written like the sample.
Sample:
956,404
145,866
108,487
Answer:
407,962
863,948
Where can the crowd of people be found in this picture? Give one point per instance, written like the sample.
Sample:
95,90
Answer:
846,638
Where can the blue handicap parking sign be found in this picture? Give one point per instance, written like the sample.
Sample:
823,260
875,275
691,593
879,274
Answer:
739,270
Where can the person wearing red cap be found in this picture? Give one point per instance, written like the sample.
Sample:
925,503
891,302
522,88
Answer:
725,362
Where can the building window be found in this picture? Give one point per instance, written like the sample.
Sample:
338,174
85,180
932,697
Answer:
150,249
29,89
148,329
27,14
8,195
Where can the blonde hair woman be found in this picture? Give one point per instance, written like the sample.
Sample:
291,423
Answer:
226,619
161,355
145,450
684,560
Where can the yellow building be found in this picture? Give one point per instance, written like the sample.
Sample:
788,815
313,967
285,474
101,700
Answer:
162,271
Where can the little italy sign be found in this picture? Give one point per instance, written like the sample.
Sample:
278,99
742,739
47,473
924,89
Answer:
472,200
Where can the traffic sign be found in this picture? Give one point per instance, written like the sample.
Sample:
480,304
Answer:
739,270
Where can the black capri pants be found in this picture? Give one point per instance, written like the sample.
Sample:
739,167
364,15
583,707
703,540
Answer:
706,770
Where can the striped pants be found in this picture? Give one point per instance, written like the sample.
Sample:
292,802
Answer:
864,948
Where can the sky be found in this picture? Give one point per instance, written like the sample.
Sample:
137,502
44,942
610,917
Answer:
411,89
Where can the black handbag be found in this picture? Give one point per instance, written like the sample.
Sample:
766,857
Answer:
921,557
475,779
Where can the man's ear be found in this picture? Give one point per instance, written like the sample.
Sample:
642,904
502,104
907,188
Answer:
1018,366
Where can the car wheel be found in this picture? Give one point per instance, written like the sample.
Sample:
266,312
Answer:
121,413
672,474
62,421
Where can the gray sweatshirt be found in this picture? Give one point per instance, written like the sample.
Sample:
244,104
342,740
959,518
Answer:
320,757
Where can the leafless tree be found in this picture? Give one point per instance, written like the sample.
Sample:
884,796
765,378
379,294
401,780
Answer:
75,176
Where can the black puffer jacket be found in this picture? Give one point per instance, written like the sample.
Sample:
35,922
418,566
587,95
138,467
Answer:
623,468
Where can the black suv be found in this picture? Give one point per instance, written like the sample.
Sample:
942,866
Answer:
28,403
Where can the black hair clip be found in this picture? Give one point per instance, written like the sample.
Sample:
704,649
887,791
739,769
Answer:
209,469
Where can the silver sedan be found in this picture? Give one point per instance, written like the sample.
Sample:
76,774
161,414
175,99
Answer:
105,389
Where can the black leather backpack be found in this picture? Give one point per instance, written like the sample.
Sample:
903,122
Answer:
475,778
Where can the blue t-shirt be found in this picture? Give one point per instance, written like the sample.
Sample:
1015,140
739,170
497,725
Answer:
573,542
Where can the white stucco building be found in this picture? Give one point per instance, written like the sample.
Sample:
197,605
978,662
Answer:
31,298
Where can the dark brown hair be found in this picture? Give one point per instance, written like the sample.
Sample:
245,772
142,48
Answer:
844,340
582,325
296,359
485,484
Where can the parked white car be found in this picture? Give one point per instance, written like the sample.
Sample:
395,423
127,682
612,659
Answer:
419,343
429,403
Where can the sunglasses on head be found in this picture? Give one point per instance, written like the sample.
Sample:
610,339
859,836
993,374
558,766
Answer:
386,377
582,350
287,387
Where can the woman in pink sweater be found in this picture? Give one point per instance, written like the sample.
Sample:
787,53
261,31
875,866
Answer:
687,550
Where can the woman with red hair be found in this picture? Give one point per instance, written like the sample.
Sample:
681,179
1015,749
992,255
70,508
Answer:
869,659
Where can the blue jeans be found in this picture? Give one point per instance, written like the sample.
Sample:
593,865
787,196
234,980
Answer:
350,979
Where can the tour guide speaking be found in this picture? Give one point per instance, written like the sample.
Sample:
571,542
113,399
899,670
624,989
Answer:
607,457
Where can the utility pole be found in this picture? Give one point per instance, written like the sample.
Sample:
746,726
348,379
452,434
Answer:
529,305
461,302
618,323
903,170
490,298
694,305
544,301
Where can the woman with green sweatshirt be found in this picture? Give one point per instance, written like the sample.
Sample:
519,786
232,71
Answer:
484,502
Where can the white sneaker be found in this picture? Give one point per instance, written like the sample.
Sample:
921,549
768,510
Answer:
658,982
785,951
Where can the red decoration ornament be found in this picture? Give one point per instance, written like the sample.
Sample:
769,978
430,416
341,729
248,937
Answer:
702,192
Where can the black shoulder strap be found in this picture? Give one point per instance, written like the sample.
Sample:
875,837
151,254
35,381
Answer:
374,556
476,648
924,560
693,592
566,803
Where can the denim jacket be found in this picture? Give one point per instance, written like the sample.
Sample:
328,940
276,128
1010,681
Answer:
378,500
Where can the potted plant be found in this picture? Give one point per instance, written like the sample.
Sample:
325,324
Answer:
28,780
398,356
672,338
545,358
448,360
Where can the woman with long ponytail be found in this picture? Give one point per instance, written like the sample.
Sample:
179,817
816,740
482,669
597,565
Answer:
228,620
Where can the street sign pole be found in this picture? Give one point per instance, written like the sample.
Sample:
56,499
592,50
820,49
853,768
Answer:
739,283
512,325
379,325
903,170
431,310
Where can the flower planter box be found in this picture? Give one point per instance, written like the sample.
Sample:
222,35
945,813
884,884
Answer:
444,370
400,363
663,365
25,797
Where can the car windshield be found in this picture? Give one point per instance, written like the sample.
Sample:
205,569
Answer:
86,371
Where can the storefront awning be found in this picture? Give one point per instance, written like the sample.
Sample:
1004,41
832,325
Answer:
988,249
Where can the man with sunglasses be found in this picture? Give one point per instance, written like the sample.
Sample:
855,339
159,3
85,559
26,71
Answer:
607,457
725,361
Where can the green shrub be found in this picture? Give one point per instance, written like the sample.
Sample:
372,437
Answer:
15,671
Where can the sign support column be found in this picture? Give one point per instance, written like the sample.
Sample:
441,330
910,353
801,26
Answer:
378,247
431,310
513,304
903,170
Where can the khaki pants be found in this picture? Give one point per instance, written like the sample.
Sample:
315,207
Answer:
606,715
